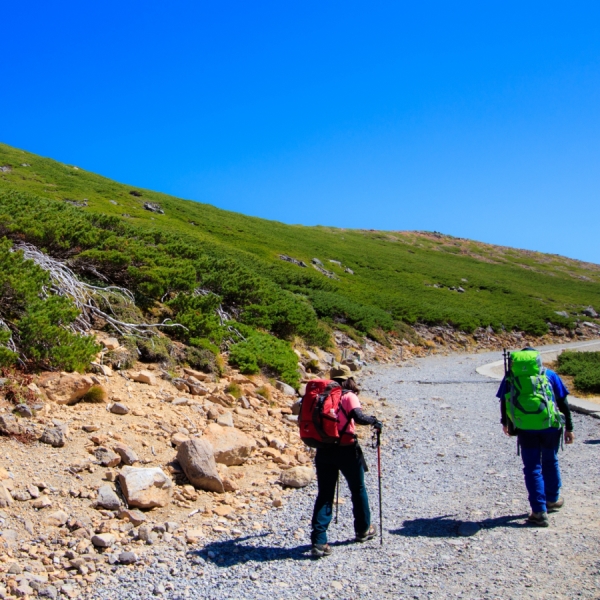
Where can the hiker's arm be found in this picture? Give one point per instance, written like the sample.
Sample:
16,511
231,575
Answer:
359,417
565,409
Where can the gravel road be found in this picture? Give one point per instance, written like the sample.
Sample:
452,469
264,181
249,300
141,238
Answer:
448,470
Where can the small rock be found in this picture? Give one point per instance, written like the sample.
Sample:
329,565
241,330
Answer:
118,408
55,436
225,420
144,377
42,502
107,498
134,516
192,536
9,425
288,390
111,343
15,569
178,438
6,498
21,495
49,592
181,402
297,477
57,519
196,458
33,491
128,558
23,410
107,457
90,428
145,488
128,456
103,540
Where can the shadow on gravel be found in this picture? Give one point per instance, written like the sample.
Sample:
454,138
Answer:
228,553
446,526
592,442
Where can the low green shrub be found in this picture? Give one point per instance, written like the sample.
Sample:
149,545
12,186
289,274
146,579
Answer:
39,325
203,356
155,349
95,395
234,389
584,367
272,356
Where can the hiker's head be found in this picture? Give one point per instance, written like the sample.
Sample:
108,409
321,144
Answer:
528,348
341,372
343,376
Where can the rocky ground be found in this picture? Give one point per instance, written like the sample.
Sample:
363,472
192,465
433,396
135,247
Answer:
454,510
101,507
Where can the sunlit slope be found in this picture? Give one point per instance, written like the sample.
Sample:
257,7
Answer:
408,275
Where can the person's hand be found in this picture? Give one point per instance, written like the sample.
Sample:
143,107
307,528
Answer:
569,437
378,425
505,429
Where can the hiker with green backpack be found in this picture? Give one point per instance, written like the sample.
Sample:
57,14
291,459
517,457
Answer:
535,408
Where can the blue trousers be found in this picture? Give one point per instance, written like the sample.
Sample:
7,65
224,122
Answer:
539,451
329,462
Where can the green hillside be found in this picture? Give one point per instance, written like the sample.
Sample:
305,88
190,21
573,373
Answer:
381,282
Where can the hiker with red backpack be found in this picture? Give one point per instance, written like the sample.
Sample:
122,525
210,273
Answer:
329,411
534,407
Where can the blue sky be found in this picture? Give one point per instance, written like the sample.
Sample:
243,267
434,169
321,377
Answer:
476,119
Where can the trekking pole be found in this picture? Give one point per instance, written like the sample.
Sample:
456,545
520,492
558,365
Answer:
379,476
337,498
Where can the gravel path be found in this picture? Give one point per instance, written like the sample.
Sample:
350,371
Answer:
448,469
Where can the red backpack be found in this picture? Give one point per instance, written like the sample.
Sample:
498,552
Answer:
318,417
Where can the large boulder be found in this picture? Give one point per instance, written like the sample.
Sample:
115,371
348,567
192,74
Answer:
197,460
231,446
69,388
297,477
145,487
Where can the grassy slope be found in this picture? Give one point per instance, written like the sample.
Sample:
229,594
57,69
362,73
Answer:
393,270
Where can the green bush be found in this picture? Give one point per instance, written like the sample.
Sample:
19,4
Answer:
235,390
155,349
95,395
39,325
203,356
261,352
584,367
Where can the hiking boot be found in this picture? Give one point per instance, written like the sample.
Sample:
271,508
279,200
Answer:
319,550
555,506
538,519
369,534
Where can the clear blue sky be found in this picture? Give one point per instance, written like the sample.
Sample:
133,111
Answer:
477,119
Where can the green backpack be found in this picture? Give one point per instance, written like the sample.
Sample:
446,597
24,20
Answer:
529,397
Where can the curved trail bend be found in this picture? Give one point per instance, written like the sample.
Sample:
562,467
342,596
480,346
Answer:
448,469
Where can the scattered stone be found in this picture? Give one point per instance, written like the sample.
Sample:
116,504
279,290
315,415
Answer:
15,569
21,495
197,460
590,312
55,436
134,516
297,477
107,498
118,408
90,428
6,498
178,438
106,457
180,402
192,536
111,343
231,446
145,488
57,519
226,419
286,389
69,388
128,558
42,502
144,377
128,456
103,540
23,410
9,425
